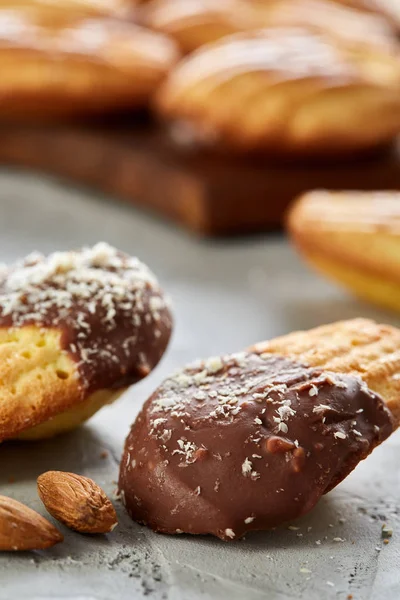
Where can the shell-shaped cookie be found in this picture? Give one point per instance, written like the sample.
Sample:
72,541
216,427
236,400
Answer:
88,8
76,329
286,90
251,440
344,23
193,23
390,9
77,68
353,238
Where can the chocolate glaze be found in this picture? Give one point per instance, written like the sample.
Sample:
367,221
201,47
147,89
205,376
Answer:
245,442
113,317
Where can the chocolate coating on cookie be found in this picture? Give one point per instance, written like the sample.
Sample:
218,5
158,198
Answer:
245,442
113,317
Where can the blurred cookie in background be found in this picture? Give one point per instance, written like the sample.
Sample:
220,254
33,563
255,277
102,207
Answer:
286,91
80,67
194,23
326,16
352,238
83,8
390,9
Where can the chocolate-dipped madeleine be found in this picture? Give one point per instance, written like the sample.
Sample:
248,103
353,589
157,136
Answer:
76,329
248,441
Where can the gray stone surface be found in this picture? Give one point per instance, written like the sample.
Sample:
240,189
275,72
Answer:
226,294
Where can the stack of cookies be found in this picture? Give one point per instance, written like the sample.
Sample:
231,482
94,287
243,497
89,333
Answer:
291,77
208,100
276,77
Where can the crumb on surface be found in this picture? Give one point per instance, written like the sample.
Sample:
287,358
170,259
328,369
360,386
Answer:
387,532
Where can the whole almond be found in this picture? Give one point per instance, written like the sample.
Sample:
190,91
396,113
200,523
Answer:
77,501
21,528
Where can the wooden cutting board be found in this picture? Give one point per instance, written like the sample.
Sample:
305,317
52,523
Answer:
206,193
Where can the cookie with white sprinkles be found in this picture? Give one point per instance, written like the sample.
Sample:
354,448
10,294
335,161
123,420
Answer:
76,329
251,440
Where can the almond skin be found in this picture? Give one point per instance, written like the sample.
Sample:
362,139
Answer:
77,501
21,528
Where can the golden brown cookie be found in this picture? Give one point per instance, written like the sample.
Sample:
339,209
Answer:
390,9
353,238
68,8
387,9
286,91
77,68
76,329
363,30
193,23
250,440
